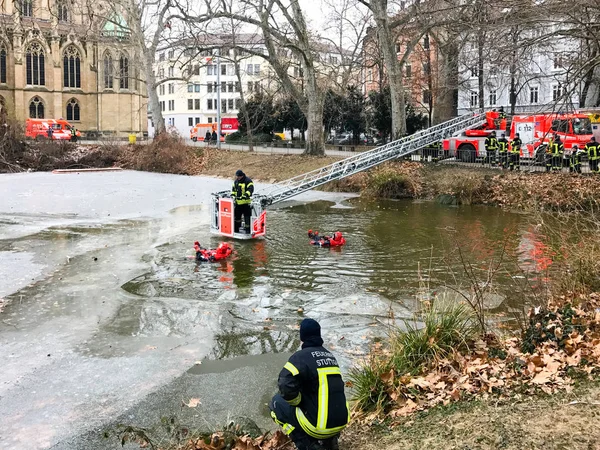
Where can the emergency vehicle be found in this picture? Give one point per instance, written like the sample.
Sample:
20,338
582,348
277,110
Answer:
228,126
534,130
38,129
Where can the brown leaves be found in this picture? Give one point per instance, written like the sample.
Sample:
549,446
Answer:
220,441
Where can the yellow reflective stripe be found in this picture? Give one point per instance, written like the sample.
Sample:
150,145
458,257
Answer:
296,401
288,428
312,431
292,368
323,401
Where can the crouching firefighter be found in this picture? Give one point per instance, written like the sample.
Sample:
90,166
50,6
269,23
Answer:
311,405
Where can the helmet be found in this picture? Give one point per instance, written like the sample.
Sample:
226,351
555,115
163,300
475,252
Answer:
197,243
239,173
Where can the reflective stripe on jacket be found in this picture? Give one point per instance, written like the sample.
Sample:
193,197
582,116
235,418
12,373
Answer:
242,191
312,381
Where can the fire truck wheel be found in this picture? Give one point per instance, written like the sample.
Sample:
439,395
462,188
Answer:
194,139
466,153
39,137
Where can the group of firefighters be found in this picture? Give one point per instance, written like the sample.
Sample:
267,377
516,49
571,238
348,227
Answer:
507,155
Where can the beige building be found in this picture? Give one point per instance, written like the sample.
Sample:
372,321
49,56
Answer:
58,60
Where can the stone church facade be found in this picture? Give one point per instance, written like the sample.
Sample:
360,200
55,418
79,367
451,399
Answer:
61,59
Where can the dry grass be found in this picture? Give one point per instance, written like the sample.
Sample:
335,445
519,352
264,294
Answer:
531,423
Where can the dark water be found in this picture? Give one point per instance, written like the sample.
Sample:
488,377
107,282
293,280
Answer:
398,254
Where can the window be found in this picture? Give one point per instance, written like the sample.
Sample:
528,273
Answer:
124,72
62,11
197,120
161,57
71,68
557,61
223,69
171,71
408,70
161,73
474,99
493,98
230,103
238,103
223,86
73,111
210,120
237,86
534,94
426,97
256,69
190,121
250,69
36,108
27,10
108,71
197,103
190,104
171,88
162,106
426,42
3,65
256,86
161,89
556,92
36,69
210,70
398,48
171,54
426,68
196,69
190,88
474,72
209,87
250,86
171,105
224,105
209,104
196,87
333,59
230,86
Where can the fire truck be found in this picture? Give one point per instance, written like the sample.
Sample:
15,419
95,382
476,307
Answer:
535,132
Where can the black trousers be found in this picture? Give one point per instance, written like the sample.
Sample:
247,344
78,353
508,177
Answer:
239,211
284,415
594,165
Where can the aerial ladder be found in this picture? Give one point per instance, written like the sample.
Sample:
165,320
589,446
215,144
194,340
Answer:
222,204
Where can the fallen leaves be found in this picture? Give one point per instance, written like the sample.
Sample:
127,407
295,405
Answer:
192,403
221,441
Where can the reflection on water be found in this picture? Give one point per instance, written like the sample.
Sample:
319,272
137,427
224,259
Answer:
398,253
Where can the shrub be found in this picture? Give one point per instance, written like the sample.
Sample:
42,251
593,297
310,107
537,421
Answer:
234,137
165,154
391,182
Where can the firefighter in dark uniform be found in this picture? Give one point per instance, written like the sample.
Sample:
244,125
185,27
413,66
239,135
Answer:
311,406
241,192
515,153
575,160
491,145
593,151
503,151
556,149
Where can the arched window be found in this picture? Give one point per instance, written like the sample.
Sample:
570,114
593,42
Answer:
124,72
3,54
72,68
36,108
36,69
26,8
62,11
73,110
108,71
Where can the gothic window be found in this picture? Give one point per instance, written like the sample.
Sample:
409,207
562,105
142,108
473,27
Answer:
124,72
71,68
26,8
36,69
108,71
36,108
3,64
62,11
73,111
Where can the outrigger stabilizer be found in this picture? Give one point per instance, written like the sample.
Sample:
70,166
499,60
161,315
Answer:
222,205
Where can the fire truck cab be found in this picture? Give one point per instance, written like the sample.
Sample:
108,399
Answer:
470,144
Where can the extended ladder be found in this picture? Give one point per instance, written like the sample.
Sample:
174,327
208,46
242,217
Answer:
222,205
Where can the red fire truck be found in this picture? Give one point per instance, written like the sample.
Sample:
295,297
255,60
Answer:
534,130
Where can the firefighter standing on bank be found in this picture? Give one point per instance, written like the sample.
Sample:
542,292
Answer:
491,145
593,151
575,160
241,192
556,150
503,151
311,406
515,153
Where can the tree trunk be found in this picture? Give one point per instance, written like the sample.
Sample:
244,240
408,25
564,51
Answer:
446,106
387,43
153,104
480,61
315,144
